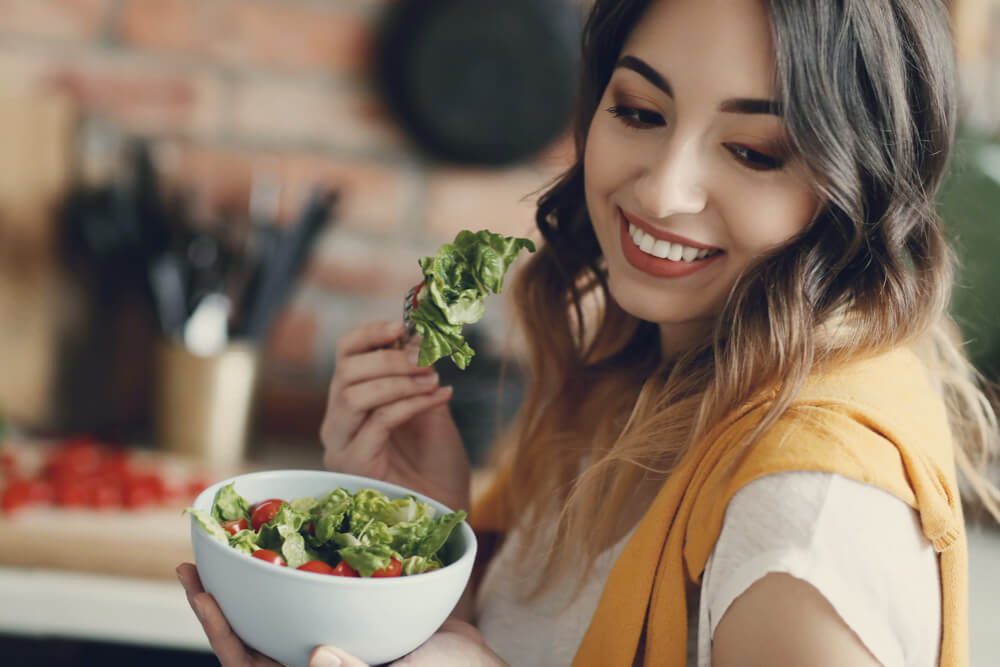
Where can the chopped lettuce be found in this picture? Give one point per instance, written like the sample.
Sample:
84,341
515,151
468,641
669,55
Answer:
456,281
209,523
365,529
230,505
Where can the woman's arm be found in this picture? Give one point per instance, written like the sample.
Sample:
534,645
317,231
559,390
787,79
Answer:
782,620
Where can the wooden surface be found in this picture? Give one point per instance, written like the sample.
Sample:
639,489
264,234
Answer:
146,543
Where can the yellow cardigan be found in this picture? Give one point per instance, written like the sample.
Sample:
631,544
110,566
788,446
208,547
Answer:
876,421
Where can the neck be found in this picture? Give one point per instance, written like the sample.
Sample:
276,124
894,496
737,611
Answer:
678,337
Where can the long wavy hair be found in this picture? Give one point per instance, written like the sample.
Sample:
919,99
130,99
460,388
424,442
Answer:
869,99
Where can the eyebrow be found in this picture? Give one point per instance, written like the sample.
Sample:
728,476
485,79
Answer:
734,105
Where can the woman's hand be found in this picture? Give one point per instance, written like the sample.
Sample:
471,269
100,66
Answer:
388,419
455,644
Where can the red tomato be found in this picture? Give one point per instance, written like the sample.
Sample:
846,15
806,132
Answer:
22,492
143,490
264,511
344,570
71,493
234,526
391,570
106,494
269,556
317,566
79,456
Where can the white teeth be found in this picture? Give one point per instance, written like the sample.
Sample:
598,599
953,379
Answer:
647,243
675,252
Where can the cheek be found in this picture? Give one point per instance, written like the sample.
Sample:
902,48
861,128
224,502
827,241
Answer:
767,217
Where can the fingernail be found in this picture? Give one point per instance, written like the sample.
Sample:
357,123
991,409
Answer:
430,378
324,657
413,356
394,328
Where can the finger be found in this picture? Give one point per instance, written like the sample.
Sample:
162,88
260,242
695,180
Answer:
378,363
350,407
229,648
375,394
331,656
368,337
187,573
380,423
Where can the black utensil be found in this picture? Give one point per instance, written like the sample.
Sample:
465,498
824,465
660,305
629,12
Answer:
287,261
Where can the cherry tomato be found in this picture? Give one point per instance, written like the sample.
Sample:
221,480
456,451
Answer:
344,570
71,493
317,566
106,494
391,570
264,511
234,526
23,492
269,556
143,489
79,456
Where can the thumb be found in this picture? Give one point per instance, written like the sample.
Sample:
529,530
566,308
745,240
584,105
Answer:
330,656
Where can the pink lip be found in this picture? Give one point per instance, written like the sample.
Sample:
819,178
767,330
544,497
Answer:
654,266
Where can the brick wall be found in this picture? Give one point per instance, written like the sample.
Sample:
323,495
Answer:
227,88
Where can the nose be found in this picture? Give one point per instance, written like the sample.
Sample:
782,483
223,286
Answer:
672,183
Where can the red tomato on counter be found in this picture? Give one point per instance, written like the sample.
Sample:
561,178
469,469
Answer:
269,556
23,492
264,511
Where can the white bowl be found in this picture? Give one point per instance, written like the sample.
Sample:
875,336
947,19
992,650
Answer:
284,613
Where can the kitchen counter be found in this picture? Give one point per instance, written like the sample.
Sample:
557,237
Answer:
129,595
109,576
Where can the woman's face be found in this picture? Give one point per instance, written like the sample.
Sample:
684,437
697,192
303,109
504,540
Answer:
685,175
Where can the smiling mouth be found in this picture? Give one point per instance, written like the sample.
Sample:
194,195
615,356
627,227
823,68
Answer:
661,249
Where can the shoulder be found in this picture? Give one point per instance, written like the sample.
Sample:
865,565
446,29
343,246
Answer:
839,556
782,620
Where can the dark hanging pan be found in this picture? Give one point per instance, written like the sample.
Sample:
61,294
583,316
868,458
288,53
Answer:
487,82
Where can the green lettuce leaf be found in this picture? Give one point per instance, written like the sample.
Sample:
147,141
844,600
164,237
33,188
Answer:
404,509
209,523
367,559
419,565
438,533
229,505
244,540
272,535
456,281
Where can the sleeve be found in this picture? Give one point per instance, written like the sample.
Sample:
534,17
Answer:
859,546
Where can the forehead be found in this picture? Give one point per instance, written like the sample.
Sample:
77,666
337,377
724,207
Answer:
712,45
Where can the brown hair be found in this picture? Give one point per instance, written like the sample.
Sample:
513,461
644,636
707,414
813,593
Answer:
868,92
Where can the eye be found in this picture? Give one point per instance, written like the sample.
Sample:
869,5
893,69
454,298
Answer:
754,159
637,118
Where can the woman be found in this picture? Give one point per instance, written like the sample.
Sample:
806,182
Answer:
737,442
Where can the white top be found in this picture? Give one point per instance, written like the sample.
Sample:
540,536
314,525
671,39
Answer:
816,526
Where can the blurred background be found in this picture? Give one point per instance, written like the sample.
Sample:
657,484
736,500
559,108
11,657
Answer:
199,197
